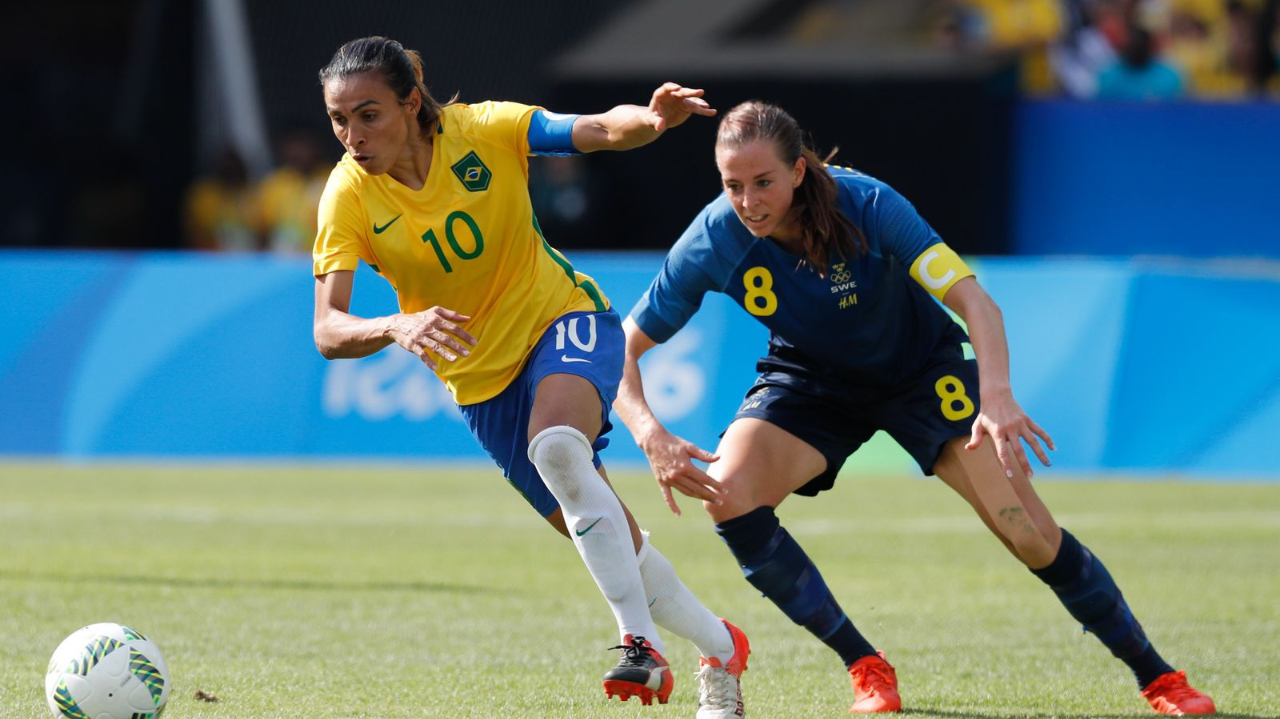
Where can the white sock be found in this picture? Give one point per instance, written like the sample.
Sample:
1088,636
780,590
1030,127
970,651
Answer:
675,608
597,525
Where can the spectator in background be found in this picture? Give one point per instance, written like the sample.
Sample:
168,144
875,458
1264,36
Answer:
1139,74
1242,39
289,197
1025,28
1266,72
220,212
1083,51
1196,43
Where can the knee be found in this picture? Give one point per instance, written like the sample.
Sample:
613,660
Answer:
561,454
739,498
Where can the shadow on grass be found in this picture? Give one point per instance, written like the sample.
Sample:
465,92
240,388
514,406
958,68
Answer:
908,711
311,585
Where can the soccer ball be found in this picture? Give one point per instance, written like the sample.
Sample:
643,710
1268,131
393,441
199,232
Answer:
107,671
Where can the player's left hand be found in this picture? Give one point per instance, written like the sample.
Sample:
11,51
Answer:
672,104
1009,427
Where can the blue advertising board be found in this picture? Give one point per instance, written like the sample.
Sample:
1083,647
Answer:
1123,179
1135,366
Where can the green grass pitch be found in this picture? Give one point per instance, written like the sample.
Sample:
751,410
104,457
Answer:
403,592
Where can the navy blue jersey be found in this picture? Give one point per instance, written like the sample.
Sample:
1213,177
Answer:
871,320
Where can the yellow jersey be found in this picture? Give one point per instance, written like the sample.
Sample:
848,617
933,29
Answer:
467,241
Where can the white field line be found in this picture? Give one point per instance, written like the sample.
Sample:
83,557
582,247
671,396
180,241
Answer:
293,516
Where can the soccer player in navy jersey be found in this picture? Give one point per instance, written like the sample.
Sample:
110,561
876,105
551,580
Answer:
845,273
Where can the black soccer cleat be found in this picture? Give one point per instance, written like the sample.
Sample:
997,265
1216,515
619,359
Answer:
641,672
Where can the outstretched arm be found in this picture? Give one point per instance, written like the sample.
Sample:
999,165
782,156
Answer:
670,457
1000,417
629,126
340,334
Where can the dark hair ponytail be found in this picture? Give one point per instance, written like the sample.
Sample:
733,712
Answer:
401,68
825,231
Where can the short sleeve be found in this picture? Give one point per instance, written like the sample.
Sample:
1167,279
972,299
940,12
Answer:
901,230
675,295
505,123
339,242
906,236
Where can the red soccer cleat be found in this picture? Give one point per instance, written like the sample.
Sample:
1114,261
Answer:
875,686
720,685
641,672
1171,694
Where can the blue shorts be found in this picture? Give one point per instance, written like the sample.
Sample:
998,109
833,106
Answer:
922,414
586,344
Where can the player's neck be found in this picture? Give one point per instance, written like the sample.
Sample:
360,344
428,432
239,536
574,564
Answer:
787,236
414,164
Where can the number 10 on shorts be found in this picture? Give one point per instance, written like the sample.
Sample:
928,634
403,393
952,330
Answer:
956,405
571,331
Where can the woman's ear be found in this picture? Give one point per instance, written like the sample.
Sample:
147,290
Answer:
413,103
799,171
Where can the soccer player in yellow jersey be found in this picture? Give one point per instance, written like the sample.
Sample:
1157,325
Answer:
435,199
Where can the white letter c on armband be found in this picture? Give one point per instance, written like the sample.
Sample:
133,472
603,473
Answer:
929,280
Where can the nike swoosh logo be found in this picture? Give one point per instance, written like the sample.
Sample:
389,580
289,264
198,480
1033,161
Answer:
379,230
588,529
574,359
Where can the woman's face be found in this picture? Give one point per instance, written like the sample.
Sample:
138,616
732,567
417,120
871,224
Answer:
761,186
367,118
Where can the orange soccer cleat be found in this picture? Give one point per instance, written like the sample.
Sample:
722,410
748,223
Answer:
875,686
641,672
720,685
1171,694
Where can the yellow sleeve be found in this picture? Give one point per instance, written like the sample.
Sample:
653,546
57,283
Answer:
340,243
506,123
938,268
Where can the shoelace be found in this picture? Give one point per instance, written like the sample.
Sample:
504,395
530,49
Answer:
874,677
634,654
717,688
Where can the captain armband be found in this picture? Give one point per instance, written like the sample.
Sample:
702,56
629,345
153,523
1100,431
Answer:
938,268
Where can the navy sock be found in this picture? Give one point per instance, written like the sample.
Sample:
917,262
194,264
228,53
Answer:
776,565
1086,589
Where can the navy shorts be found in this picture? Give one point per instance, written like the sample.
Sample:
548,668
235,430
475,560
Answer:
587,344
923,414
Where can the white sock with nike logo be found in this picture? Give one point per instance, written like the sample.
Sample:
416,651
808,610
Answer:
675,608
597,525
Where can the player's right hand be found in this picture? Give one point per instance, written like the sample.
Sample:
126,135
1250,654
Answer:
436,330
672,104
671,459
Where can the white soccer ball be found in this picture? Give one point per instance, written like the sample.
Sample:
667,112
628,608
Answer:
107,671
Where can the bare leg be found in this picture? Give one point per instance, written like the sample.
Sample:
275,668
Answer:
1009,507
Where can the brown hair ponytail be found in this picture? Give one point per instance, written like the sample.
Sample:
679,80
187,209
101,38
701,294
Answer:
825,231
401,68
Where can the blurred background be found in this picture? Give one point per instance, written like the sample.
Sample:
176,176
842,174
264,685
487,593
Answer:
1110,167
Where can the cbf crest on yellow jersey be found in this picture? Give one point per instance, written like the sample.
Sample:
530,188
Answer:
467,241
